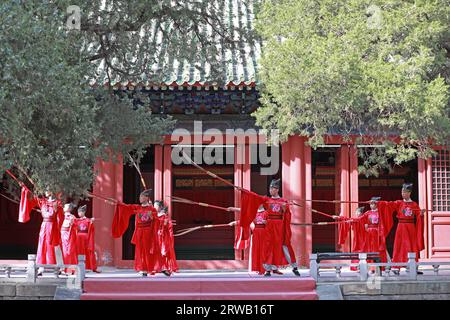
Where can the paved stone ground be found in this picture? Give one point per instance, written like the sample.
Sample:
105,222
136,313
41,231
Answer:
109,272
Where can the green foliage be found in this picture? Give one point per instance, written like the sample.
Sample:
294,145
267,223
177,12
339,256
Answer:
358,67
54,124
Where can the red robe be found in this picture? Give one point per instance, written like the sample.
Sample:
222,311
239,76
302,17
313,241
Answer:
85,241
359,232
69,240
258,241
167,257
145,235
278,228
49,234
278,232
375,234
250,203
373,239
409,234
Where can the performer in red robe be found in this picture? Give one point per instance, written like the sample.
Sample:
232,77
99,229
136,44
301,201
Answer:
258,238
278,248
145,235
49,234
376,224
359,232
167,258
85,238
68,238
409,234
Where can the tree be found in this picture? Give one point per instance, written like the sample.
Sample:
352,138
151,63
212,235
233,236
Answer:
58,110
376,68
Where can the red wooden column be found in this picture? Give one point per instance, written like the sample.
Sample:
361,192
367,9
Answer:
285,168
246,181
104,185
239,152
167,176
429,206
158,174
343,169
422,188
118,168
307,242
353,178
296,185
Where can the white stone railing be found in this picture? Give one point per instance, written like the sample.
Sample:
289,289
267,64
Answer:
363,267
30,271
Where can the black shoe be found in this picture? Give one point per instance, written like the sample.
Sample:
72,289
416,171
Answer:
295,271
419,272
167,273
267,274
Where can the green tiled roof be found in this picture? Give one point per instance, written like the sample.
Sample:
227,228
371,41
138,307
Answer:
239,65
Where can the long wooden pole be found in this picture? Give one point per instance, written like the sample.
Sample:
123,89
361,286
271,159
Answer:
138,171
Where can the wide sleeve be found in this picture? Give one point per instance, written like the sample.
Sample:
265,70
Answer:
91,236
240,242
27,203
121,219
287,225
359,231
386,211
57,224
250,203
343,230
419,228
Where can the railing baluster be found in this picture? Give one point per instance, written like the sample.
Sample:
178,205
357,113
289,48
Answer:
31,268
338,271
436,269
313,266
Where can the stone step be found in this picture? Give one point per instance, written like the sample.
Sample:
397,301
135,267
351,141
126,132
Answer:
307,295
199,285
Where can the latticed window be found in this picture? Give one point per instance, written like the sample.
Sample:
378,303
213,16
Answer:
441,181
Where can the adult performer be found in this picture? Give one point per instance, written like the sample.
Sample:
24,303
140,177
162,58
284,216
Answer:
145,235
52,215
278,248
409,234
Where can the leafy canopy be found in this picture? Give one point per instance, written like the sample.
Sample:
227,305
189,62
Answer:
54,124
358,67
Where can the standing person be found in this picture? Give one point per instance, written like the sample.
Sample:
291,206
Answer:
167,259
68,238
52,215
278,248
85,238
359,232
257,245
374,224
373,228
145,233
409,234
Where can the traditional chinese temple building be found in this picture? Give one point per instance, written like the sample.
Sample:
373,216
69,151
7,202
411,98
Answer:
328,173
